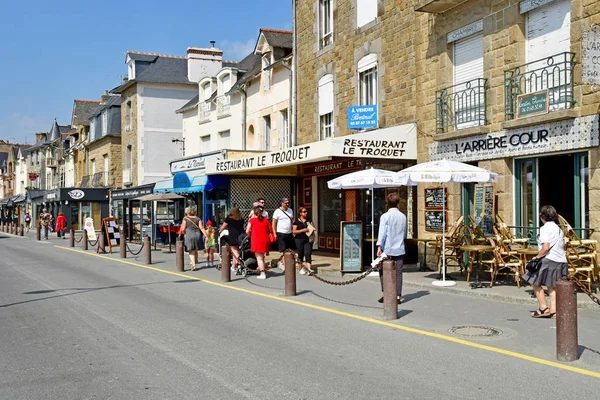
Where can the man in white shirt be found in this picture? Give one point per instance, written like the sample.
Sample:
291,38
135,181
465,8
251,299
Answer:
282,221
265,213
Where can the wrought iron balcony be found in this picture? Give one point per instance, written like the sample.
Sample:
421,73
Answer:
461,106
223,109
98,179
85,181
204,112
554,73
51,162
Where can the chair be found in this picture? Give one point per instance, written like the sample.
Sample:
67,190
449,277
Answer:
506,262
477,235
508,237
581,254
454,240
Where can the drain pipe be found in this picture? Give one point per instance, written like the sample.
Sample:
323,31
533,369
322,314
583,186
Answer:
294,73
292,106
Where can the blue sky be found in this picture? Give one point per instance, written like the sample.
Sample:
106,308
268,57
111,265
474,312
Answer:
56,51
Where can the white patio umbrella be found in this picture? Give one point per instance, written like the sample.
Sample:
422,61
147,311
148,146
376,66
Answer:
441,172
367,179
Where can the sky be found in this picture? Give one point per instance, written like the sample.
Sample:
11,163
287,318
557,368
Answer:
52,52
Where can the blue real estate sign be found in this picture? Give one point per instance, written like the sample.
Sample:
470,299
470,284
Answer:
360,117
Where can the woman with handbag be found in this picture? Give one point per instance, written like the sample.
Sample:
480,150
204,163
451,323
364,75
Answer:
303,230
551,263
61,224
192,228
261,234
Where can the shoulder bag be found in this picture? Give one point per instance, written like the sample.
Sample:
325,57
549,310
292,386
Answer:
535,264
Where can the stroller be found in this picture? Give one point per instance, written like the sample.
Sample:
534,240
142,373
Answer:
246,261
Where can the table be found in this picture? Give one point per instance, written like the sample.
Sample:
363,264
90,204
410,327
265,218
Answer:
526,254
475,253
423,266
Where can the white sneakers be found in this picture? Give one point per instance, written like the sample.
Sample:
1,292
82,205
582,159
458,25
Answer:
281,266
303,271
262,276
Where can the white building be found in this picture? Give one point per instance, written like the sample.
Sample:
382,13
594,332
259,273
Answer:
21,175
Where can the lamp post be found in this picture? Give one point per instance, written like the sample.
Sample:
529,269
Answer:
182,145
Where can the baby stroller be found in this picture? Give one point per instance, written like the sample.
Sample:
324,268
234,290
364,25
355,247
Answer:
246,262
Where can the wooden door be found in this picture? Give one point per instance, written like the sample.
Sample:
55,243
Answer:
350,205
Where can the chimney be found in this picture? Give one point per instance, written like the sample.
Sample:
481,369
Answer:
105,97
203,61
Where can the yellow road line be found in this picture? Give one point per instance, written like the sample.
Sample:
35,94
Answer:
358,317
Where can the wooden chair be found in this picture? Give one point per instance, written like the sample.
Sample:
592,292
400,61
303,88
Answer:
505,262
581,254
477,236
454,240
508,237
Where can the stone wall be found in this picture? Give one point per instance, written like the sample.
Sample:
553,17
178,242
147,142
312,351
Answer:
130,136
111,146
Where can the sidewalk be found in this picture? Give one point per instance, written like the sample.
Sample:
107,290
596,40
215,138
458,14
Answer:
329,268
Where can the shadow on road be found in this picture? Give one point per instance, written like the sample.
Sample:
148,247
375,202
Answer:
408,297
584,348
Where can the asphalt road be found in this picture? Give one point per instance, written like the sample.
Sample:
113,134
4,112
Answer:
75,326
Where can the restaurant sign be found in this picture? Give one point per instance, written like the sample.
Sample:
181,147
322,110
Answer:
590,57
563,135
192,163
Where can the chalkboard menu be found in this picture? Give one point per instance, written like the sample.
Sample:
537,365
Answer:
485,200
112,234
435,220
435,197
350,253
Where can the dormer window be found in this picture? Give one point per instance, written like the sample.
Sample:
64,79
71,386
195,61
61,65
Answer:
131,69
207,91
104,122
266,74
224,84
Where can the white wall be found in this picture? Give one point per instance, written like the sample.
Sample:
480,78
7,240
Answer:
70,172
158,124
21,177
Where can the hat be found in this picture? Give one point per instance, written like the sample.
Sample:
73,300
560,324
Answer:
209,223
257,204
283,200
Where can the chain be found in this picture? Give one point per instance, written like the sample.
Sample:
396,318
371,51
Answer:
585,290
80,239
93,243
139,251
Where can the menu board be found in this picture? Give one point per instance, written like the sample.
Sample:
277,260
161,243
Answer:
484,203
435,220
112,233
435,197
351,248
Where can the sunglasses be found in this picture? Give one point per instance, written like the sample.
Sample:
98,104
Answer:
303,212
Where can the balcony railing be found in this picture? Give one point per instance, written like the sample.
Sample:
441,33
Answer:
461,106
98,179
85,181
51,162
223,109
554,73
204,112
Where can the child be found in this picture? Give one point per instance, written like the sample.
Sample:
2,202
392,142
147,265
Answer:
211,243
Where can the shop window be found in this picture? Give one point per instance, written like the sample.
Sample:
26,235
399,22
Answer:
325,23
330,207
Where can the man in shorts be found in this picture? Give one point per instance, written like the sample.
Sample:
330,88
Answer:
282,221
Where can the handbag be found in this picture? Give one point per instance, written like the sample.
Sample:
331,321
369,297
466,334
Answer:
533,265
272,237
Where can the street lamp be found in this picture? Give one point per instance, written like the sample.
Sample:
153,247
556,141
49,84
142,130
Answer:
182,144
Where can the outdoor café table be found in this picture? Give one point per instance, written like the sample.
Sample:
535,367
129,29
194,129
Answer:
423,266
526,254
475,254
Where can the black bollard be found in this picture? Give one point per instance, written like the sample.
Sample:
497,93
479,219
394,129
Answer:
71,238
123,247
390,291
225,264
84,241
147,250
290,273
101,244
567,344
22,230
38,233
179,255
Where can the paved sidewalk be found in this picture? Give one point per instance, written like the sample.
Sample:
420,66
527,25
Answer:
328,267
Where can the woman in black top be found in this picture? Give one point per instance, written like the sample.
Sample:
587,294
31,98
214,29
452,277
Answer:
302,228
234,224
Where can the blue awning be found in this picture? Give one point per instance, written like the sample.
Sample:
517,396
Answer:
186,182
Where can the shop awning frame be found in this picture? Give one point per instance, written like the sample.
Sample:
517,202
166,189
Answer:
187,182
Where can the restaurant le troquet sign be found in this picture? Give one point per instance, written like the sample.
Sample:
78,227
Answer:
563,135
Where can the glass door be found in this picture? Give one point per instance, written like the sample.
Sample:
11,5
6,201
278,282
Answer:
526,196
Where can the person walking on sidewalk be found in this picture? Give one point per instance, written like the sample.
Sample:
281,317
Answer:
234,224
551,249
259,230
283,218
303,229
193,230
45,221
390,240
61,224
265,213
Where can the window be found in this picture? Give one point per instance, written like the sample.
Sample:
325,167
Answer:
37,157
205,143
31,156
284,131
326,126
128,157
92,134
93,161
207,91
469,101
367,78
224,139
266,137
325,23
128,116
105,169
105,123
366,11
325,91
225,84
266,73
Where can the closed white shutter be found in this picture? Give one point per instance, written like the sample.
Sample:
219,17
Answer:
366,11
205,142
226,83
468,58
549,30
326,94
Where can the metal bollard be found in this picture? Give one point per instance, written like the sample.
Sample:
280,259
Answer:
179,255
71,238
390,291
123,247
101,244
290,273
12,228
38,233
567,344
22,230
84,241
147,250
225,264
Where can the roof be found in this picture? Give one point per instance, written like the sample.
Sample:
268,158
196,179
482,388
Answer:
54,131
158,69
250,67
82,110
113,101
278,38
193,103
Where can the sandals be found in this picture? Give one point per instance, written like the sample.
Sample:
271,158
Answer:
192,267
553,315
545,313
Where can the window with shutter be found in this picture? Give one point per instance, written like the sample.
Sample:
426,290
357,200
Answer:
468,96
366,11
548,38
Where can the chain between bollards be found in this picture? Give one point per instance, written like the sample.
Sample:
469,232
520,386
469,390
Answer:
567,345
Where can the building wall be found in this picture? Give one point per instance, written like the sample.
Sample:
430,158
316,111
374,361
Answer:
129,135
157,125
21,176
110,145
